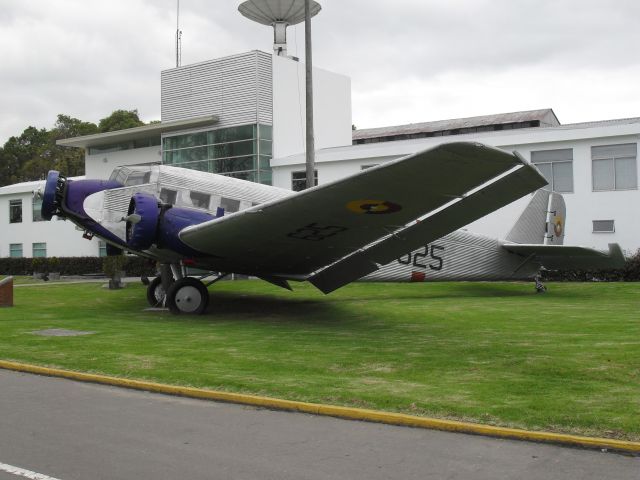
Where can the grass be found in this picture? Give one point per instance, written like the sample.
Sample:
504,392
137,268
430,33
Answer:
497,353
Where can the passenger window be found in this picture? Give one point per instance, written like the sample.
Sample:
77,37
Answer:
168,196
200,200
230,205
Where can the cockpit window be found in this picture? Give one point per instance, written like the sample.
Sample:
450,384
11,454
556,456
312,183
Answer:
200,200
137,178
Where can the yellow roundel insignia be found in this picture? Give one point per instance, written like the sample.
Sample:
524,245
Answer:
557,226
373,207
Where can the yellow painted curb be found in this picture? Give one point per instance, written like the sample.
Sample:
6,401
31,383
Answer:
334,411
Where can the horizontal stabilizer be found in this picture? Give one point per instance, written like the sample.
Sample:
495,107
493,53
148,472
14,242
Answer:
563,257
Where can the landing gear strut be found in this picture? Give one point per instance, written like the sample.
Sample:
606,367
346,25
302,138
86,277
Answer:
179,293
540,288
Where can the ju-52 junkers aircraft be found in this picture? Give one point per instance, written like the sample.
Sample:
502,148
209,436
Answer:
329,235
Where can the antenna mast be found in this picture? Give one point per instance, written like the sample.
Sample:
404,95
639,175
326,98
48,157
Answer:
178,37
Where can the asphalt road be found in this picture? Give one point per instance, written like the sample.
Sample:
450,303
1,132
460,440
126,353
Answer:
71,430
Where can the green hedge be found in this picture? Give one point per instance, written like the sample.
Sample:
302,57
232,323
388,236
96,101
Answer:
629,273
134,266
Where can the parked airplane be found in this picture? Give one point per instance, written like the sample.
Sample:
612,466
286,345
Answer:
329,235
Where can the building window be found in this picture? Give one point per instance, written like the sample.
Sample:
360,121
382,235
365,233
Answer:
364,167
299,180
241,152
37,209
603,226
15,250
15,211
39,250
557,168
614,167
102,248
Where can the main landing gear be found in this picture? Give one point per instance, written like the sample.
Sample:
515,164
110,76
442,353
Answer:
540,288
179,293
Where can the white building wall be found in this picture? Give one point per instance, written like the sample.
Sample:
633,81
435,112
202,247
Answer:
100,166
61,237
331,108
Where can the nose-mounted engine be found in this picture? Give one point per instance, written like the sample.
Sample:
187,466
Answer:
53,195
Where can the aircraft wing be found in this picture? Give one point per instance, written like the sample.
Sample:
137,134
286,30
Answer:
562,257
297,236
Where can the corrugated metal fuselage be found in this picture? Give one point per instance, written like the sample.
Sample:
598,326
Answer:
459,256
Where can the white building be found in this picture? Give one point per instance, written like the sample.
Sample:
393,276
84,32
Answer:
594,166
243,116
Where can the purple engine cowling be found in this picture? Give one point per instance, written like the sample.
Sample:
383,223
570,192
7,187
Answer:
160,224
65,198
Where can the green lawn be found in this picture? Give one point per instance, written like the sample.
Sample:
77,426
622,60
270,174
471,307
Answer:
566,361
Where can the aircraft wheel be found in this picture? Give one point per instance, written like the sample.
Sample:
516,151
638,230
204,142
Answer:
188,295
155,292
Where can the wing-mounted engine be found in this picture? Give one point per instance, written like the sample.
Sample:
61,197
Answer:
149,222
142,221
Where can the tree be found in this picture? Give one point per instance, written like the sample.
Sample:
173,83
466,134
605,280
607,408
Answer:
69,160
119,120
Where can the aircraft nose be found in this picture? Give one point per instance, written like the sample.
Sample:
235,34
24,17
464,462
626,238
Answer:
53,195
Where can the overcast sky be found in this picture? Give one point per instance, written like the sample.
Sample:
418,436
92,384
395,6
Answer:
409,60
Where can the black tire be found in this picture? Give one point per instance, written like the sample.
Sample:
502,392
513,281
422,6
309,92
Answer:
188,296
155,292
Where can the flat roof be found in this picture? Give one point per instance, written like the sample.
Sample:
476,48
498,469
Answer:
145,131
27,187
546,118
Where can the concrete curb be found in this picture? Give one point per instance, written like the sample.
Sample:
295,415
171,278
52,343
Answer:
334,411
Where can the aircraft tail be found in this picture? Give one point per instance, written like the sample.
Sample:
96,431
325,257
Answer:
541,222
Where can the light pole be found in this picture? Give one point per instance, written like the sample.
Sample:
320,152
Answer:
311,154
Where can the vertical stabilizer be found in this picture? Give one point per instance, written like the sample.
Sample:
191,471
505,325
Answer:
542,221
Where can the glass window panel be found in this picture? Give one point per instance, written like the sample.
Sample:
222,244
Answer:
299,180
168,196
266,177
37,209
563,177
39,250
552,155
15,211
626,174
603,176
229,204
200,200
265,162
547,172
15,250
266,132
611,151
266,147
607,226
102,249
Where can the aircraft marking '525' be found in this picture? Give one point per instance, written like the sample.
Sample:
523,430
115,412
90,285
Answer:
329,235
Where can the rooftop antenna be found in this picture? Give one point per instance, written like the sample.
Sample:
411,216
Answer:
178,37
280,14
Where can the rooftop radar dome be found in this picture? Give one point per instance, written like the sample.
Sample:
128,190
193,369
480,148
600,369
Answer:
279,14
